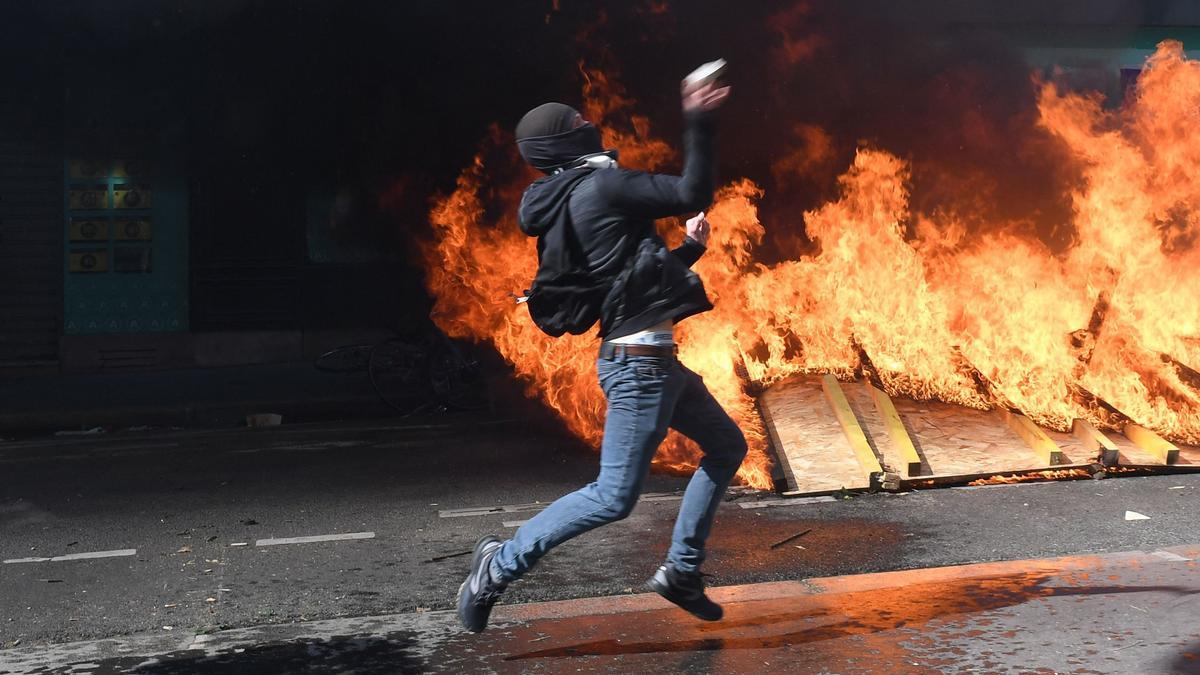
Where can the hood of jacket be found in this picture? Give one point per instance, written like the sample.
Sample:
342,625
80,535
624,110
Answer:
545,201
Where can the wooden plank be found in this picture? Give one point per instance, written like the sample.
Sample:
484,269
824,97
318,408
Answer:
1144,444
1188,375
812,448
1162,449
1096,442
854,433
895,430
1046,449
1189,458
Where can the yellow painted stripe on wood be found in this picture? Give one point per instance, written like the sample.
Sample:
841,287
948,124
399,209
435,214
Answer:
1034,437
852,429
1096,442
896,431
1156,445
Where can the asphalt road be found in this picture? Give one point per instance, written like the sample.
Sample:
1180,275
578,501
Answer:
195,506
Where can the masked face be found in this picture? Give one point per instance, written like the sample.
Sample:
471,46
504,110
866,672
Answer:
553,136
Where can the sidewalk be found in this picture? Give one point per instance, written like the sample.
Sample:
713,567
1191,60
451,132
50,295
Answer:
191,397
217,397
1118,613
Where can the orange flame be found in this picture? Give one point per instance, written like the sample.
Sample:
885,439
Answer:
1115,315
1051,474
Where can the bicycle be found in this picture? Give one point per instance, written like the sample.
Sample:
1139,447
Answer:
422,364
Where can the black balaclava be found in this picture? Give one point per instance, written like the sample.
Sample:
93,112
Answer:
547,140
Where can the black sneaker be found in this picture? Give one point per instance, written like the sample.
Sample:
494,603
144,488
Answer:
479,592
685,589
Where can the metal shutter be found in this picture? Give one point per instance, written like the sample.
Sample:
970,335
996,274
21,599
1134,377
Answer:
31,237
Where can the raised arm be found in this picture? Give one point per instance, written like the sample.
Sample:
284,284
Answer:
647,195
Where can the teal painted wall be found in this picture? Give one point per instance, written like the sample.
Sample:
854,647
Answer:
129,296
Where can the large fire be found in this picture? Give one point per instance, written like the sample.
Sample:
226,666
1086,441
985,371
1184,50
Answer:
984,321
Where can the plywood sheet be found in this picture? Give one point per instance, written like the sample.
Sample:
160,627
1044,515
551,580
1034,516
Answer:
957,441
952,441
809,442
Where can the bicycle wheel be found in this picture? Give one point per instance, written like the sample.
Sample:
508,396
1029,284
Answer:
454,377
349,359
397,370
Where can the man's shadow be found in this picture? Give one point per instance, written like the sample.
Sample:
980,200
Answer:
381,654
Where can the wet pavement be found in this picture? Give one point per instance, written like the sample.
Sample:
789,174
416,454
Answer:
1129,612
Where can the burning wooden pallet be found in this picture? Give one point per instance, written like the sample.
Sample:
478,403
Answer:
828,436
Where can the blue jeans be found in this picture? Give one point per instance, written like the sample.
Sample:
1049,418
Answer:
646,395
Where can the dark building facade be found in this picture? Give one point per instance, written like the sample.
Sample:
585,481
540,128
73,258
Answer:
213,183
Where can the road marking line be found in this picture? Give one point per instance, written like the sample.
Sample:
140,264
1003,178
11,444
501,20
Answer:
78,556
96,554
1173,557
319,537
661,498
790,501
514,523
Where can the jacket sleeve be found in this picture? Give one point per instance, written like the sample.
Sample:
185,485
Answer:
689,251
652,195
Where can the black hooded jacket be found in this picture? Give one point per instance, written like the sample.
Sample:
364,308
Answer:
596,238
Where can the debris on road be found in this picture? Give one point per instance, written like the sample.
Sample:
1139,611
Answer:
794,537
449,555
1134,515
81,432
264,420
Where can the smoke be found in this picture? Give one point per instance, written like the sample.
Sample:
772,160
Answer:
957,100
945,85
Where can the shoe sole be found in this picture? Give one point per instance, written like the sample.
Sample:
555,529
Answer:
463,585
653,585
